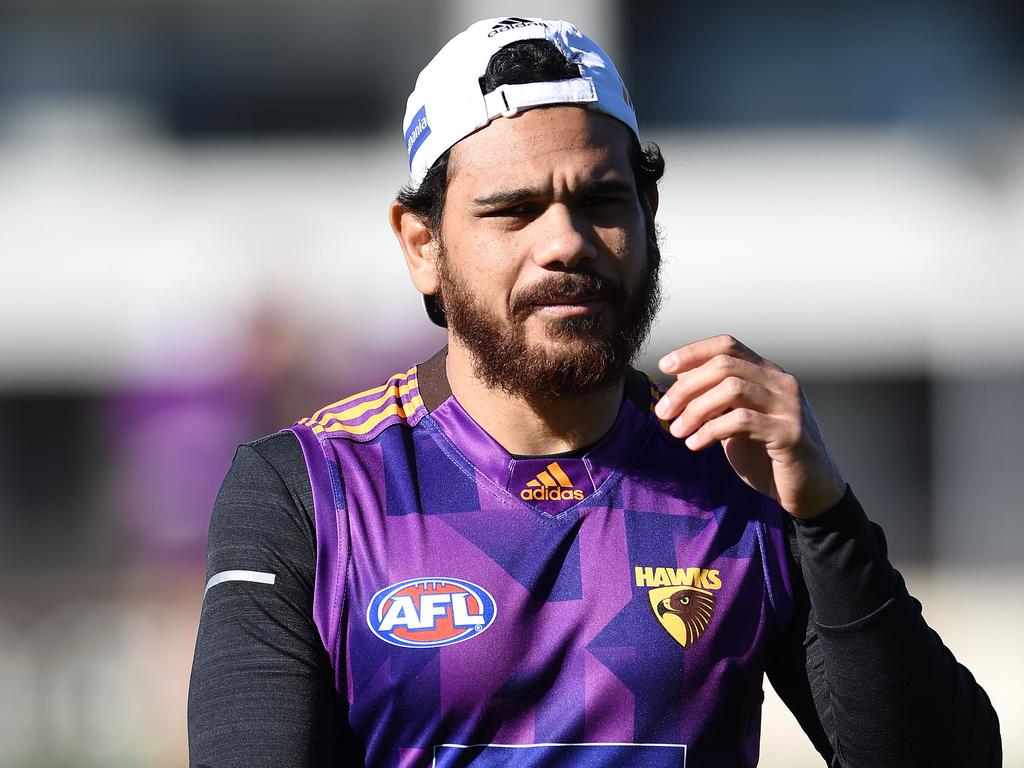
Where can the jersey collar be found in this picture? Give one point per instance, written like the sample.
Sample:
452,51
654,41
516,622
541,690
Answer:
551,484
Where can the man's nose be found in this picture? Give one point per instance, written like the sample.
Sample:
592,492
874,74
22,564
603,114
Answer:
563,239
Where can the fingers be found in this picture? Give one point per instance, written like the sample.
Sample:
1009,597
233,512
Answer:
719,377
719,370
744,422
729,394
694,382
690,356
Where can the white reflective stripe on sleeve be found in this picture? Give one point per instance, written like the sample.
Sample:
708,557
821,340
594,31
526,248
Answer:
257,576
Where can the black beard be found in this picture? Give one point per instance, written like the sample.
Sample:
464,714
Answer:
589,361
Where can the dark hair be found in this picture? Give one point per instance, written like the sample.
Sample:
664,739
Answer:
524,61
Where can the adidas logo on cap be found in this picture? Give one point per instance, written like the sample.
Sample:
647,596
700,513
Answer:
512,22
551,484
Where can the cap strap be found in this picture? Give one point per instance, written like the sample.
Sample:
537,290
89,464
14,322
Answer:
507,100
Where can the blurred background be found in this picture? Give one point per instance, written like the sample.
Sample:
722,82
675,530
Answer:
195,252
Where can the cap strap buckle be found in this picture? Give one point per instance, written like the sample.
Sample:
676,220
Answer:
508,100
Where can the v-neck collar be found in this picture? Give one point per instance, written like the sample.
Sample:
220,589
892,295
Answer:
549,484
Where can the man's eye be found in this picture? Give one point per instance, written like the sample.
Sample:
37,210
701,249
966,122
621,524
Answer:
523,209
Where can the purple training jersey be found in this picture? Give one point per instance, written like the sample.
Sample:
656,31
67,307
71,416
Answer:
611,609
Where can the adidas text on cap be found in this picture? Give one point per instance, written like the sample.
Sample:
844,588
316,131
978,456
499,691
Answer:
447,104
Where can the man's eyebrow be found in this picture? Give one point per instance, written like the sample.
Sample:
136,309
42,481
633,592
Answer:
604,187
507,197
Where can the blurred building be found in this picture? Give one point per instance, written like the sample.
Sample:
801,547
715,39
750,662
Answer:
195,252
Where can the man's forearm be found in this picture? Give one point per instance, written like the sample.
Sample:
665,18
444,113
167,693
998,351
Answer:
891,693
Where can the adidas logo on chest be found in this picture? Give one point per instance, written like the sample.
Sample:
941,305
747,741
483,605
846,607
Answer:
550,485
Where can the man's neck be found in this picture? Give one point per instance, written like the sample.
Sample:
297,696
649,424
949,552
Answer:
532,427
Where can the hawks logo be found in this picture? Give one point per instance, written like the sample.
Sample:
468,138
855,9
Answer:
430,612
683,599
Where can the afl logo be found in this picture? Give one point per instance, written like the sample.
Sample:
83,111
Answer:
430,612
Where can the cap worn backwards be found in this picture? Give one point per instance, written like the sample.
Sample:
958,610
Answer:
447,104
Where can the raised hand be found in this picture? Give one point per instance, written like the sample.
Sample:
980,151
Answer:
725,392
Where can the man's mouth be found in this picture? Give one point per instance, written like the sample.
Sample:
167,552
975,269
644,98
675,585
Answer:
566,306
568,296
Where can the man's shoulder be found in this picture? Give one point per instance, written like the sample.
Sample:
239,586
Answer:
644,391
279,449
364,415
275,459
265,498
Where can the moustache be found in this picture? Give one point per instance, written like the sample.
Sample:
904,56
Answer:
565,288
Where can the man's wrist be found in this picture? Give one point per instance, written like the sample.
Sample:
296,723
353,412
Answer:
820,502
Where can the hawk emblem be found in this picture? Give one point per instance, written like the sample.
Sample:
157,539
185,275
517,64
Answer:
684,612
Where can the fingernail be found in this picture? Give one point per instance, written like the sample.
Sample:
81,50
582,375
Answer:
691,441
659,408
667,361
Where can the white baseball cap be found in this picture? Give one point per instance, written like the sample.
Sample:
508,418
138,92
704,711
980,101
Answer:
447,104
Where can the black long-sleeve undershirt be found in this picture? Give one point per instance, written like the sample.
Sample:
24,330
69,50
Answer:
870,683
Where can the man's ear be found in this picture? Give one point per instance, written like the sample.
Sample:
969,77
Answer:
419,247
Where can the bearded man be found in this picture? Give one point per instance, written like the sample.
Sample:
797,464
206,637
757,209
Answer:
524,552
